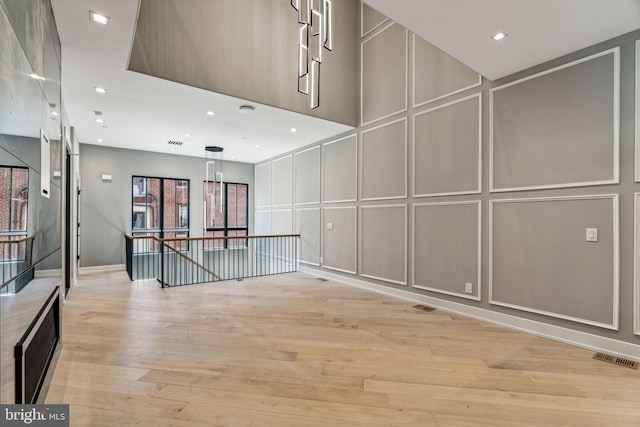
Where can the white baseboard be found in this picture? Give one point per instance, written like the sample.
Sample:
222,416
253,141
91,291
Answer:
101,268
556,333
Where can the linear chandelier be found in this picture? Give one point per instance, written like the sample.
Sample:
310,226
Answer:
314,17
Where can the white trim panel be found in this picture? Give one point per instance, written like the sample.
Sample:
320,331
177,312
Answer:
406,72
295,168
616,126
295,222
637,114
375,27
355,168
355,238
446,95
360,179
273,163
406,255
477,297
270,184
616,259
413,154
636,264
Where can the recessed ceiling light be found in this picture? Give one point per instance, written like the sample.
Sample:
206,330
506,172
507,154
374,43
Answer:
54,113
187,135
172,149
100,19
293,130
257,146
233,157
246,109
100,89
99,120
211,113
499,36
36,77
100,140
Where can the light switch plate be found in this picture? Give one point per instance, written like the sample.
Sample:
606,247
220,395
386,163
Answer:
592,235
468,287
329,226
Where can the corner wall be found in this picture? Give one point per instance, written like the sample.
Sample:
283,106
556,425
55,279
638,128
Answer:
479,196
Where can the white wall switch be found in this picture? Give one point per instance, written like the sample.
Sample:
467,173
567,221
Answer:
468,287
592,234
329,226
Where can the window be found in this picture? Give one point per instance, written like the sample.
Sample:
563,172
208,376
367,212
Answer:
160,207
229,218
14,199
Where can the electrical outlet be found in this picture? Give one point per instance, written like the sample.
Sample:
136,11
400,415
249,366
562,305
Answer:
468,287
592,235
321,260
329,226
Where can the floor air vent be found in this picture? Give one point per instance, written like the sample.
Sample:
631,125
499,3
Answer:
616,360
424,308
323,280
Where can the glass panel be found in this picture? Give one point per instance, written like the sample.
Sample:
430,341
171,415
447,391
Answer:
146,203
181,245
145,245
19,199
214,244
214,217
5,198
237,243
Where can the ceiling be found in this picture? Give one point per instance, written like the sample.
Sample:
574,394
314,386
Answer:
538,30
143,112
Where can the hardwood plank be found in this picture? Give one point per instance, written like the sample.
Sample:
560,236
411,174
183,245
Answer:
291,350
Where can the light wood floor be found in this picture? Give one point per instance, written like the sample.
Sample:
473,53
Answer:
293,350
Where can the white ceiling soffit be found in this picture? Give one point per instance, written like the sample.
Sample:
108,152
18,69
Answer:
538,30
144,113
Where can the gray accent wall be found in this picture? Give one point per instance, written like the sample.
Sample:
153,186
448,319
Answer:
562,131
105,206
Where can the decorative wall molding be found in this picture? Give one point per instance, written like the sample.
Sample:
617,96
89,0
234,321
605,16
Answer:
615,254
361,159
446,95
615,179
406,78
439,107
478,296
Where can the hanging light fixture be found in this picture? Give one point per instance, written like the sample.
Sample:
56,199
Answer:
314,17
213,173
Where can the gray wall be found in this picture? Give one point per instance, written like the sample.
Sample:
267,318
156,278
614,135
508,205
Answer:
105,213
246,48
463,180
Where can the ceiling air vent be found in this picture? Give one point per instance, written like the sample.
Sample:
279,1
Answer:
175,143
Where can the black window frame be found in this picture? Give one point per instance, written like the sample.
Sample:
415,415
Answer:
225,228
161,230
